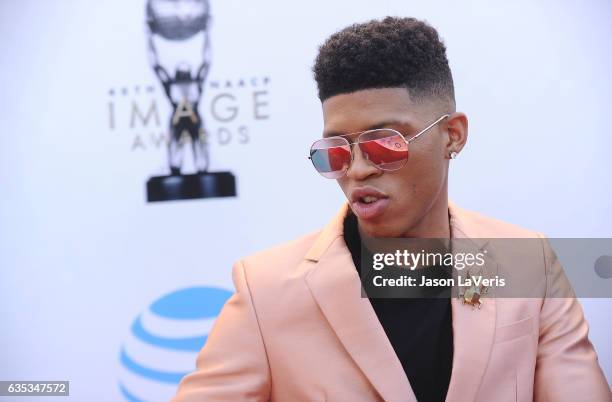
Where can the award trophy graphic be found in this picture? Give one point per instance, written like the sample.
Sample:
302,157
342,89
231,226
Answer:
174,22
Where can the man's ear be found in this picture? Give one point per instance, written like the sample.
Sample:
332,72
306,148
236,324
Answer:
457,125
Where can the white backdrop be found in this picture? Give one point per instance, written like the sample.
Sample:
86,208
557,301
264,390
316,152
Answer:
82,254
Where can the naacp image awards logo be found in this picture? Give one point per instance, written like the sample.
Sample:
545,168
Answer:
202,111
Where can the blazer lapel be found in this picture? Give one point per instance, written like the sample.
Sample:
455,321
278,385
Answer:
335,285
473,329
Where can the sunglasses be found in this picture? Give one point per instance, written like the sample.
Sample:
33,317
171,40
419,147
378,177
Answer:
385,148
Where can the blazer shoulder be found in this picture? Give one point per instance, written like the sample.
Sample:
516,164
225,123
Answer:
281,258
488,227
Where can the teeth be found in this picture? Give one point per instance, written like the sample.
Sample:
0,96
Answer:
369,199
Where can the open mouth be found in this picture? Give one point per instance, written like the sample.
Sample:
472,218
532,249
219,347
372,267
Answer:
368,202
368,199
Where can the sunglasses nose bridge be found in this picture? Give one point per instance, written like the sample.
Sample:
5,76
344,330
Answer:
356,152
360,166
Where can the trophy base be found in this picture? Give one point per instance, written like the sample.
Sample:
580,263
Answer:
191,186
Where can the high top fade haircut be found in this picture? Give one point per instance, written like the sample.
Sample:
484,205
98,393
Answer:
388,53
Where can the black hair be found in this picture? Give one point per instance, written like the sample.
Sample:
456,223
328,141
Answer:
393,52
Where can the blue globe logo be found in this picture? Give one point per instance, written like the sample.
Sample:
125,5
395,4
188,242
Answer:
164,341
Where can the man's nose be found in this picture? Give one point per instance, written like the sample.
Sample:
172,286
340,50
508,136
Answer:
361,168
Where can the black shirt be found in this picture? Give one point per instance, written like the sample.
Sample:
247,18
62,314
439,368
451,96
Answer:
420,331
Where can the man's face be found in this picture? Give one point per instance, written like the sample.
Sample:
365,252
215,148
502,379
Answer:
402,198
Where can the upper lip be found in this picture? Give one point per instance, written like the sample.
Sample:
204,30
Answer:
366,191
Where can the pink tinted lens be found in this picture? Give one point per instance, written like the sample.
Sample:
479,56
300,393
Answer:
331,157
385,148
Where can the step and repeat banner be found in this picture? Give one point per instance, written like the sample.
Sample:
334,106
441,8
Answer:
148,145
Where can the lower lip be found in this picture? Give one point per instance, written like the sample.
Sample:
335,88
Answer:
370,211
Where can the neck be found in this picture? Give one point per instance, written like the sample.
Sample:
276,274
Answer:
433,224
436,221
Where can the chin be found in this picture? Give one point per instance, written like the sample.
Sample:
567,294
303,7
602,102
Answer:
380,230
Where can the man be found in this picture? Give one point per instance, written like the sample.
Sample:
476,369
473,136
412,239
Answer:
297,328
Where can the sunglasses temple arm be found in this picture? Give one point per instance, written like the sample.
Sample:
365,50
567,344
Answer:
423,131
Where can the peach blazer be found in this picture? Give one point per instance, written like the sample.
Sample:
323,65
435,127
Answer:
297,329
